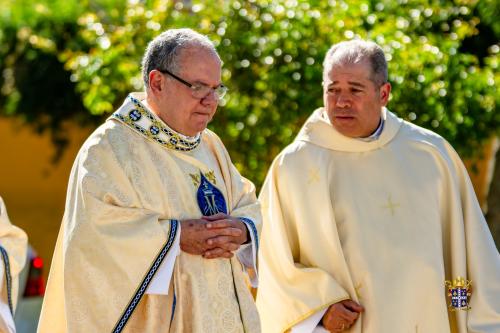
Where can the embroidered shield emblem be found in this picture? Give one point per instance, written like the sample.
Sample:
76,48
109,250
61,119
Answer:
458,297
459,293
210,199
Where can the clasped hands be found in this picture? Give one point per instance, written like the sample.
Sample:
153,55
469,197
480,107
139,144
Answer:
216,236
341,316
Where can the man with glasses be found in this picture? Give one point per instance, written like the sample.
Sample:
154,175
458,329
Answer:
159,225
370,223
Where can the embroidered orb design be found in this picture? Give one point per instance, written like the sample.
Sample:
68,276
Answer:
173,140
202,295
223,286
79,311
208,325
135,115
154,130
228,321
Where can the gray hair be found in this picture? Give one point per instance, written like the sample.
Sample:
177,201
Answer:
163,51
356,51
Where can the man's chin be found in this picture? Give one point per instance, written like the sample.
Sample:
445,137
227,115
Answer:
201,126
347,128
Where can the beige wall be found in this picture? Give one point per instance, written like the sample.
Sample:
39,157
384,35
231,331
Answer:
34,188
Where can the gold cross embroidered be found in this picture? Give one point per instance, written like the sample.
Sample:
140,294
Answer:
211,177
391,205
195,177
313,176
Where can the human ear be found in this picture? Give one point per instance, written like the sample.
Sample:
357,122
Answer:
385,91
156,81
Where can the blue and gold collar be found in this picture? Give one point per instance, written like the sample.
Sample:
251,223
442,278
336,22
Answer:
137,116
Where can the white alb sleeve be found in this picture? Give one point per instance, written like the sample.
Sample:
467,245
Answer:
311,324
160,283
247,253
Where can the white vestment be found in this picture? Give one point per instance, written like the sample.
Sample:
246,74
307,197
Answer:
117,265
13,247
384,223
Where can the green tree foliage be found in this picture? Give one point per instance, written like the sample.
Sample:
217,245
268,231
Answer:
66,59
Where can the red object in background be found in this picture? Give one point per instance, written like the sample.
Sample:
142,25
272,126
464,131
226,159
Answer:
35,286
38,263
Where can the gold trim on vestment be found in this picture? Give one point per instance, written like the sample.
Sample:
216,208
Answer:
146,123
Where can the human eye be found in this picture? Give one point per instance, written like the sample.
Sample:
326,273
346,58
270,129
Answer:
332,90
200,87
200,90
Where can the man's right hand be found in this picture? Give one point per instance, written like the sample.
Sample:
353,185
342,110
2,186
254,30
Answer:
342,315
195,236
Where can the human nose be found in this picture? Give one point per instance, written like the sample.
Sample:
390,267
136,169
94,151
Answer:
343,101
210,98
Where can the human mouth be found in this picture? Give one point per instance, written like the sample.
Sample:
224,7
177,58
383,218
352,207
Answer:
343,113
206,114
342,116
344,119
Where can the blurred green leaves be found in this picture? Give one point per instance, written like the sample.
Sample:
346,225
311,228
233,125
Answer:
71,59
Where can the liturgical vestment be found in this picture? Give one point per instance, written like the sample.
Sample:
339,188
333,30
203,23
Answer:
13,247
384,223
132,182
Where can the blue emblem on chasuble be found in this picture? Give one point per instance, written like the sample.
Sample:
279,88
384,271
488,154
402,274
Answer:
210,198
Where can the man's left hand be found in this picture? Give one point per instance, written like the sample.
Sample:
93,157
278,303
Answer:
222,246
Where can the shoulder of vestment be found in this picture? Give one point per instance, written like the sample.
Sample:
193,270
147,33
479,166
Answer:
418,135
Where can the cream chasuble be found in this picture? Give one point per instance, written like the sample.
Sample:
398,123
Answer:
384,223
132,182
13,248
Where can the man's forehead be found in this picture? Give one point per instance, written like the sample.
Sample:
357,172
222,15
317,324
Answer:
358,72
198,59
363,65
354,83
200,65
198,55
